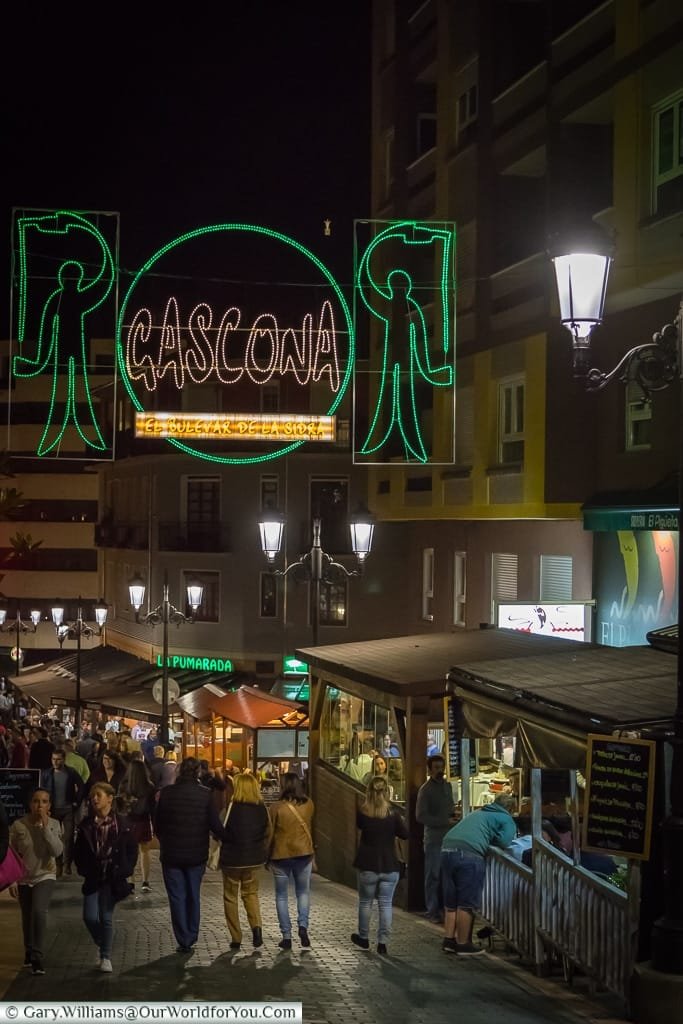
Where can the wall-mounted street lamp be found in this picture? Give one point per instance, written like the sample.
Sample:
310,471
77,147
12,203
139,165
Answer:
581,275
165,613
316,564
19,626
76,631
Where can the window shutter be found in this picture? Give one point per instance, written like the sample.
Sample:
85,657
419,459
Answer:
556,577
503,577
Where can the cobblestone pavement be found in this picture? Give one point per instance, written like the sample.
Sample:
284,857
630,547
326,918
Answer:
335,981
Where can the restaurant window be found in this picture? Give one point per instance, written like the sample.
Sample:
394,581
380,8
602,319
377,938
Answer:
209,609
359,739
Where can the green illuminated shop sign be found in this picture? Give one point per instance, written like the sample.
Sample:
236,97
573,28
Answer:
293,666
190,661
607,519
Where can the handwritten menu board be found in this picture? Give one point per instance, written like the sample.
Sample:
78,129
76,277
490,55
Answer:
16,787
619,793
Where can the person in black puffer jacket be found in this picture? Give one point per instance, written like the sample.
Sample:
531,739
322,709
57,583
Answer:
244,850
185,814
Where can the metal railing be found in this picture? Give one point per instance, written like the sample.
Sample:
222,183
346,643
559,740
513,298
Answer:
559,906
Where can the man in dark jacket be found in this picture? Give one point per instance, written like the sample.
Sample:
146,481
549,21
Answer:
434,810
40,751
185,814
65,787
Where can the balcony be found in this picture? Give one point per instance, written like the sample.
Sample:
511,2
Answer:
172,536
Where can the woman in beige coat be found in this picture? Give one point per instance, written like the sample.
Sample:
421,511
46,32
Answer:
291,856
37,838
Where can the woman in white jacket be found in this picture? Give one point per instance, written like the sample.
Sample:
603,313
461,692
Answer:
37,838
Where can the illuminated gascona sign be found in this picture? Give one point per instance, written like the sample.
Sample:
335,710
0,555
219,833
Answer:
266,334
177,355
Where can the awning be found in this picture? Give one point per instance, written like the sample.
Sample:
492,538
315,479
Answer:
642,517
112,681
247,706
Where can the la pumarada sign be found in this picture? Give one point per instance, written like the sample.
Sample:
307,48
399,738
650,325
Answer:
272,320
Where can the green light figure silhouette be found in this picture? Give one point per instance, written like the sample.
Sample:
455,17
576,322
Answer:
61,341
406,348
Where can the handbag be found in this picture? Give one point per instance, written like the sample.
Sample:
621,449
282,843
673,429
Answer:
12,869
305,828
215,844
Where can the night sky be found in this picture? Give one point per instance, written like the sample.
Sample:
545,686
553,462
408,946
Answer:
256,112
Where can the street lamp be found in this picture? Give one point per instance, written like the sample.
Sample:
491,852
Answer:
19,626
165,613
318,566
74,631
653,365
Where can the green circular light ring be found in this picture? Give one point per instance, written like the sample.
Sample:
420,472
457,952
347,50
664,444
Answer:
213,229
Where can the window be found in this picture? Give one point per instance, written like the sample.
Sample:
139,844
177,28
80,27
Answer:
209,609
270,491
268,598
333,603
427,583
638,419
426,133
203,498
329,498
459,588
503,580
511,421
464,426
556,578
359,739
388,161
466,109
270,397
667,178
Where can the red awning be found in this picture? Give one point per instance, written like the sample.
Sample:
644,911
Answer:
247,706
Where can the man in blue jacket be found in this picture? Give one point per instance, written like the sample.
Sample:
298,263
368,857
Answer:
463,868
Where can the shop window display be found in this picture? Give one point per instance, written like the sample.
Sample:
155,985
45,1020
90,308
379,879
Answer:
360,739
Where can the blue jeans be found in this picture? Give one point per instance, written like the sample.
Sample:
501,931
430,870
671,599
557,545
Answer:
371,885
464,873
183,886
300,869
433,897
98,915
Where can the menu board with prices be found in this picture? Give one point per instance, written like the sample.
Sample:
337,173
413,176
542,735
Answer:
620,780
16,788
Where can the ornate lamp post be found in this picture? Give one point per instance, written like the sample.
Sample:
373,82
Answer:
317,566
581,274
75,631
165,613
19,626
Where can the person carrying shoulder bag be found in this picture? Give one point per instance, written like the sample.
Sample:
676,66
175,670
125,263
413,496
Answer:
292,856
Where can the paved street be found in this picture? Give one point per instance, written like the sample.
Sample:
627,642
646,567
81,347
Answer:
336,982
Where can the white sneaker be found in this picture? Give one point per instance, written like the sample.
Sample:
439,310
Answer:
105,966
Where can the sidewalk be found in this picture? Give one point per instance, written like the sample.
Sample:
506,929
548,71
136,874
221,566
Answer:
336,982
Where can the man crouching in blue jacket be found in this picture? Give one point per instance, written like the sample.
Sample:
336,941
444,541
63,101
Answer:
463,868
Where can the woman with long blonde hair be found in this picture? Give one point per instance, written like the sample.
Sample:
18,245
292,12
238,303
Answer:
243,853
376,862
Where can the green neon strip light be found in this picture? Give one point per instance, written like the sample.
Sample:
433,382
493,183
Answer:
213,229
396,404
69,374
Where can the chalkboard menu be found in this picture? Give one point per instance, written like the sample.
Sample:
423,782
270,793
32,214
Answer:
16,787
454,738
619,792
